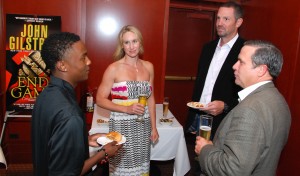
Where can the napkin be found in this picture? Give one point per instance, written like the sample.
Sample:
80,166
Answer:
2,157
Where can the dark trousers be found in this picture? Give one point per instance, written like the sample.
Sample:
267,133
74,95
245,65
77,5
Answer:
101,169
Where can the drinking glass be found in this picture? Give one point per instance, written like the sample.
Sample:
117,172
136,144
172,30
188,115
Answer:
165,107
143,101
205,126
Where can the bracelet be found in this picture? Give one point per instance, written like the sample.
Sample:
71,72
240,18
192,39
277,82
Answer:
103,149
105,160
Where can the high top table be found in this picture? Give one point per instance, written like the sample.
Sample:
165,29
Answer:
170,145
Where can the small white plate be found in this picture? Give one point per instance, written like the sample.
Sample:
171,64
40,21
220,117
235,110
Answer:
102,122
104,140
166,121
196,105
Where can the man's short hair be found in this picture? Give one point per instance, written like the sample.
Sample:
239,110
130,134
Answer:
238,10
266,54
55,47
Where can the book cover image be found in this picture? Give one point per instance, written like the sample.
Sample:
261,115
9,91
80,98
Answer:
26,72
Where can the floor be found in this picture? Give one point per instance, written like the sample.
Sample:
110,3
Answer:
17,170
166,167
163,168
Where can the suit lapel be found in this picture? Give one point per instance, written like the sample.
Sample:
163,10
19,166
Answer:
231,58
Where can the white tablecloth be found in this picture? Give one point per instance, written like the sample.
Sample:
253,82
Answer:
171,143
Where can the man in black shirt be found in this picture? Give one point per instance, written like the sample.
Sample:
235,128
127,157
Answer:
59,137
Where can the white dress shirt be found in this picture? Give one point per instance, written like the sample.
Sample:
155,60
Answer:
215,66
245,92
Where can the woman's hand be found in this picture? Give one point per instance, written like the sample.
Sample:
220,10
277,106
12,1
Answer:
136,109
154,135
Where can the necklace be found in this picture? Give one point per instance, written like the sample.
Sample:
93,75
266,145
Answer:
136,69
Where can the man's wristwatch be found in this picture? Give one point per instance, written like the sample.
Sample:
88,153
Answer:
226,108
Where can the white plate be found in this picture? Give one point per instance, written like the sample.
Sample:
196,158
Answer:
102,122
196,105
165,121
104,140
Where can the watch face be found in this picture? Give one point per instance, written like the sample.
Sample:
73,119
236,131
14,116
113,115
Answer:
226,108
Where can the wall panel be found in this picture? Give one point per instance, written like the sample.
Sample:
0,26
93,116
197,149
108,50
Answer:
2,66
148,16
189,29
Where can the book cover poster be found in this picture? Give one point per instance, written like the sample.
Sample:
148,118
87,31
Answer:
26,72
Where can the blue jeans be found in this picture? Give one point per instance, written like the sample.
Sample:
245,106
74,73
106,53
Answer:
194,128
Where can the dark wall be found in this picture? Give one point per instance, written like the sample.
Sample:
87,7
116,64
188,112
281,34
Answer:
189,29
2,66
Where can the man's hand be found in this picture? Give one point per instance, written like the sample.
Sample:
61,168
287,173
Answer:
200,143
214,108
112,148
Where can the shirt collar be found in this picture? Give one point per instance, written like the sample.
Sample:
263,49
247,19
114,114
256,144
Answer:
231,42
245,92
62,84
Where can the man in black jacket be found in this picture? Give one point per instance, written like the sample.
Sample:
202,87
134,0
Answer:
215,85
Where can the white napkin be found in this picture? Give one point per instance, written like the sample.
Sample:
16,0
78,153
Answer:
101,113
2,157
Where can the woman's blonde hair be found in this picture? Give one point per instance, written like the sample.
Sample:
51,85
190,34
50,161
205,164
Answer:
119,53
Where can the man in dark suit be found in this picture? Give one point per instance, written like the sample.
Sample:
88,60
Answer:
251,137
215,79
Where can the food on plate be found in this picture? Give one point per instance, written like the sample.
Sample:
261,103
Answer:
197,104
166,120
114,135
101,121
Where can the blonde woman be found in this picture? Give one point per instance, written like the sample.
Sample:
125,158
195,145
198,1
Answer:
123,81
